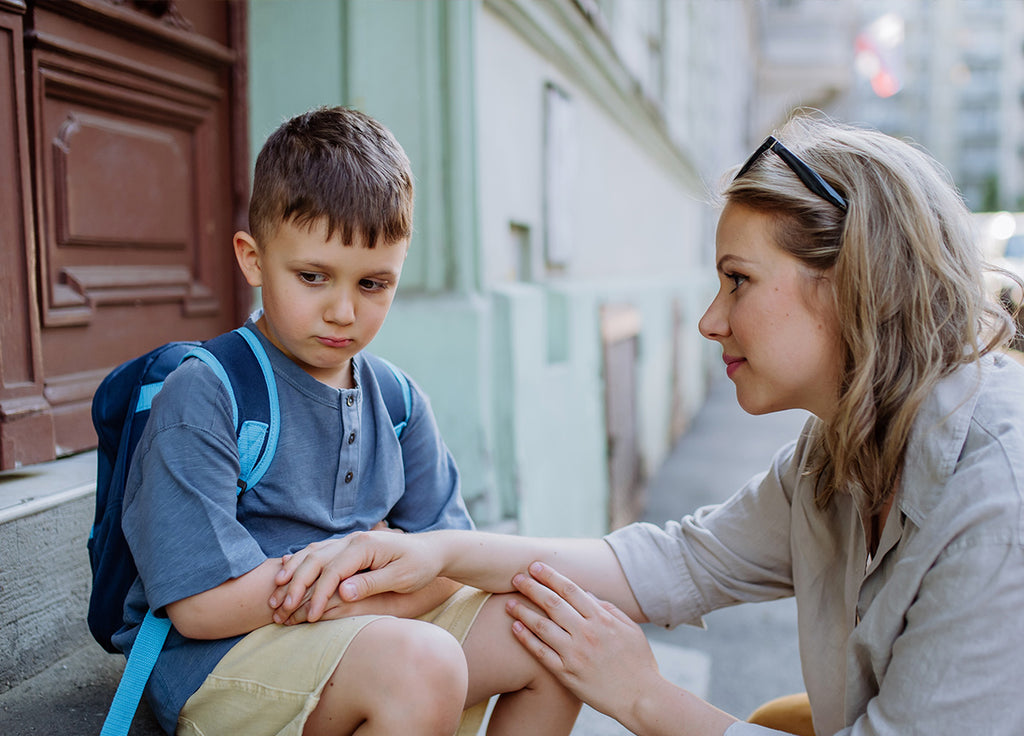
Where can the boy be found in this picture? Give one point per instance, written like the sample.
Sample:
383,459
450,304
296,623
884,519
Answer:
330,219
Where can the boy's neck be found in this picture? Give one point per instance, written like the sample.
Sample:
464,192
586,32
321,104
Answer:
343,378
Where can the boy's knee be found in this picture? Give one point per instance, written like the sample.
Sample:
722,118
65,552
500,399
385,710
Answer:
434,675
430,652
426,660
413,674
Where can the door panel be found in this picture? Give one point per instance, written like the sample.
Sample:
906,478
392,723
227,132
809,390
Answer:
136,190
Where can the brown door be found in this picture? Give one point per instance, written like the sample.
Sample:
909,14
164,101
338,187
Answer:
131,168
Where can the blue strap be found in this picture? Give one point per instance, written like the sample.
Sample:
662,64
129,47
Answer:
275,408
146,649
403,382
146,393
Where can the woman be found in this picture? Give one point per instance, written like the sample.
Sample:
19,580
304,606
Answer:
850,286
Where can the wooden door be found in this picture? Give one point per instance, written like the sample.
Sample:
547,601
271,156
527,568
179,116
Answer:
132,175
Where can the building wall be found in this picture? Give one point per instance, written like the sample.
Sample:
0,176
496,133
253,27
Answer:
503,331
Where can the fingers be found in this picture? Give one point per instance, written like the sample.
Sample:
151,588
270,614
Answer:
302,578
533,631
558,596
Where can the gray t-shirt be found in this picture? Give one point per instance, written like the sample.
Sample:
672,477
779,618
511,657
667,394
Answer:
926,637
339,468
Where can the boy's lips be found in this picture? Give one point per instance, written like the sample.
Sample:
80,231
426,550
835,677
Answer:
732,364
335,342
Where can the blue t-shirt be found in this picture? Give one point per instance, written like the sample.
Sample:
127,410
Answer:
339,468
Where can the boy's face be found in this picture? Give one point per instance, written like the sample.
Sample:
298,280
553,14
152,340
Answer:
323,301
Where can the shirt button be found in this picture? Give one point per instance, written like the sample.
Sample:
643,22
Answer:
348,477
352,438
349,401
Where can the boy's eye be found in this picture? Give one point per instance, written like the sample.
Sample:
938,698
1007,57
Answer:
736,278
372,284
312,278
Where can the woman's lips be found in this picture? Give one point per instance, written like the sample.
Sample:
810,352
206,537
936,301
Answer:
732,364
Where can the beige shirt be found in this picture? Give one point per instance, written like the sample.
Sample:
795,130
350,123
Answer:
927,637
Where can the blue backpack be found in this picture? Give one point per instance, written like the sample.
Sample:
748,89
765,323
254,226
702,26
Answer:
120,409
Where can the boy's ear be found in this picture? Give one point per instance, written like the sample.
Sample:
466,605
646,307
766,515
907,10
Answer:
248,257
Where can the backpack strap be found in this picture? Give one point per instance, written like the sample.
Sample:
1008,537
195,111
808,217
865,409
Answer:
236,357
394,388
148,643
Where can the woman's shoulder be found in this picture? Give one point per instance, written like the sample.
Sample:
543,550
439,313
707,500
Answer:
965,466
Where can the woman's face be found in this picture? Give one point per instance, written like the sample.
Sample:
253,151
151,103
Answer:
774,320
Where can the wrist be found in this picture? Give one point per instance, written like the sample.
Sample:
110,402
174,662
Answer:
660,707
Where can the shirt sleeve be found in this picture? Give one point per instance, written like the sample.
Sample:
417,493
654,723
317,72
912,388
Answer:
432,498
179,515
737,551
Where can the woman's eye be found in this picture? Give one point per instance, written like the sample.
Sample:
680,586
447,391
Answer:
736,278
309,277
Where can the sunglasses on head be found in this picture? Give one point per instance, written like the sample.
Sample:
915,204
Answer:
811,178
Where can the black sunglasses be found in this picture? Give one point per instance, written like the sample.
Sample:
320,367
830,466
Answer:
811,178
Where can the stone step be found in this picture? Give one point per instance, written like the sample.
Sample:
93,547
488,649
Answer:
71,696
46,512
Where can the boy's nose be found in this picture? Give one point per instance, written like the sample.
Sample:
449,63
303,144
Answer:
341,310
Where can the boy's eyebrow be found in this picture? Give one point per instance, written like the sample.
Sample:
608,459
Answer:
388,274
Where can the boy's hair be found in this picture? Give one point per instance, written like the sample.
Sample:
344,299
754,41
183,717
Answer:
906,283
335,164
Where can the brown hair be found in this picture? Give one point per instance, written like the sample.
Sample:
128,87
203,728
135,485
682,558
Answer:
338,164
907,284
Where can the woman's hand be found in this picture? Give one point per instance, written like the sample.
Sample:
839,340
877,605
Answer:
402,563
592,647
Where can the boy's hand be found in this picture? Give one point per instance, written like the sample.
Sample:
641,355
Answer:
402,563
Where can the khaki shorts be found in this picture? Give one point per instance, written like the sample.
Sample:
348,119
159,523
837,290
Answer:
271,680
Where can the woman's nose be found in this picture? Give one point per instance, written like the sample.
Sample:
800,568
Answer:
714,325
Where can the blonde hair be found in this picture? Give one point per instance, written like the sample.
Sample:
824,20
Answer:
906,279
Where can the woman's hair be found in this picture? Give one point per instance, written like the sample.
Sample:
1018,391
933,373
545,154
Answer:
334,164
906,278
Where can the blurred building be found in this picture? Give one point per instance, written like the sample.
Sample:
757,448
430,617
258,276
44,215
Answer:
949,75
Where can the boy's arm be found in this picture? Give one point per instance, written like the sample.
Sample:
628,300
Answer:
239,606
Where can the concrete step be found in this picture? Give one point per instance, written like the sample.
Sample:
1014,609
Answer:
71,696
46,512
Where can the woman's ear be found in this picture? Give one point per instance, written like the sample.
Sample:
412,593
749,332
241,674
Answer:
248,257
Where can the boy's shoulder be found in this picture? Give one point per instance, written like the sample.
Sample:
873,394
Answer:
192,394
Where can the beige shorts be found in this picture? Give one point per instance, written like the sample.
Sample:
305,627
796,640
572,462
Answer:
271,680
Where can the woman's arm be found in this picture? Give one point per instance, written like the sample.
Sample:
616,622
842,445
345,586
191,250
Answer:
370,563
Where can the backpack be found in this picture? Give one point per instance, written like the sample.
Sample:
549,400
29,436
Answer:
120,409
